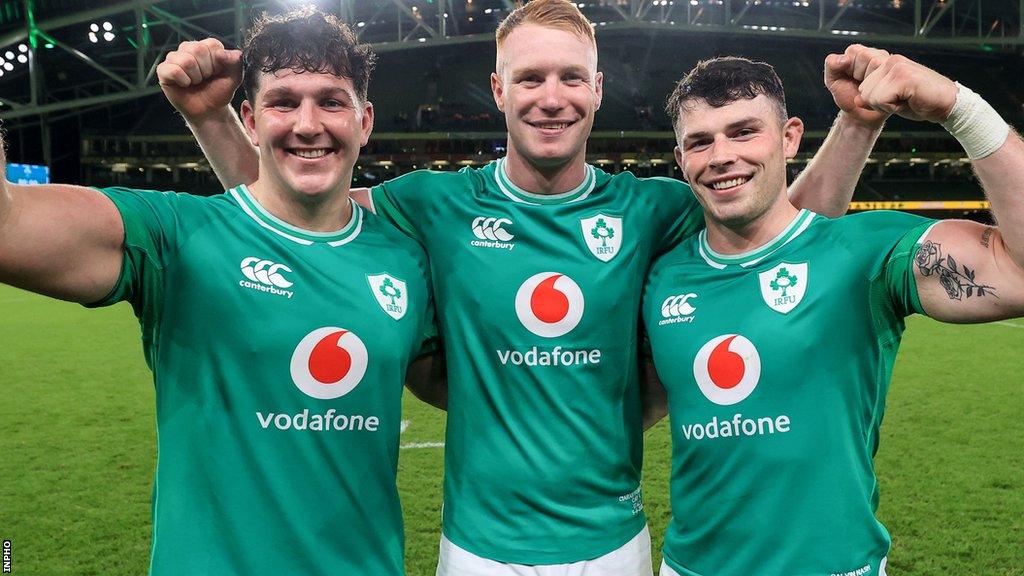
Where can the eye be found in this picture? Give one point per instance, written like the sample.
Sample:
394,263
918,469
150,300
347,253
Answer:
697,145
333,103
573,80
283,104
745,132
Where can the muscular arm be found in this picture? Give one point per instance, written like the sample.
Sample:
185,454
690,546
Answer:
199,79
968,272
224,143
58,240
827,183
427,379
653,397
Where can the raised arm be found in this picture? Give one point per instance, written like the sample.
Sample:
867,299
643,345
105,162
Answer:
199,79
827,183
965,272
58,240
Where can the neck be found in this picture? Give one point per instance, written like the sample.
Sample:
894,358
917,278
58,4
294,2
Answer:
737,238
554,179
321,213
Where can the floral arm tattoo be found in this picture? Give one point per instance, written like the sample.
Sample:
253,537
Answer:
956,279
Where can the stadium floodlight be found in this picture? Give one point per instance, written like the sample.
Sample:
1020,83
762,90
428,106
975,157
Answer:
23,48
360,24
22,58
8,66
107,32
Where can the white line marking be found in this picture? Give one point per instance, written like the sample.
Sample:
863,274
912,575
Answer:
422,445
405,425
1010,324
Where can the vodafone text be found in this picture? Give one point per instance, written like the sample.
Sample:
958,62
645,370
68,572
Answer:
327,421
556,356
737,426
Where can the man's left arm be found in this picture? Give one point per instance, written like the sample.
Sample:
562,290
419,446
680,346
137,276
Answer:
965,272
969,272
827,183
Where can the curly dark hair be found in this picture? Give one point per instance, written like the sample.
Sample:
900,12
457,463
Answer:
305,40
721,81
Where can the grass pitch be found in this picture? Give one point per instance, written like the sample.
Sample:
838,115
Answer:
77,448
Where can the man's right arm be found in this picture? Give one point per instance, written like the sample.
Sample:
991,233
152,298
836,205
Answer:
59,240
199,79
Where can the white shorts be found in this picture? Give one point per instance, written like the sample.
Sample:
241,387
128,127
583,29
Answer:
631,559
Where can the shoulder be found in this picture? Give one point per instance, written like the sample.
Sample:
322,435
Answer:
431,180
880,224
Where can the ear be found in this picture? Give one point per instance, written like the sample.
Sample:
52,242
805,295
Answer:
249,121
599,88
678,152
498,91
792,132
367,123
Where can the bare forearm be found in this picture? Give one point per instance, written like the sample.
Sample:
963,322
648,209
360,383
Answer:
827,184
224,142
1003,180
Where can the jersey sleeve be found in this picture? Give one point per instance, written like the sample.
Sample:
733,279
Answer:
150,225
684,215
899,271
401,199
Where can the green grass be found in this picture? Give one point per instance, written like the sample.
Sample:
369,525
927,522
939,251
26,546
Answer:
77,448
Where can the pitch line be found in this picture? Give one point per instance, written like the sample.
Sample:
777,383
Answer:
414,445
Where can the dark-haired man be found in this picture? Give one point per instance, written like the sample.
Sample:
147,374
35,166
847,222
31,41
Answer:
774,331
278,319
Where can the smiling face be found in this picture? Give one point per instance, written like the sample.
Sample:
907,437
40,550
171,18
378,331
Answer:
309,127
734,157
548,87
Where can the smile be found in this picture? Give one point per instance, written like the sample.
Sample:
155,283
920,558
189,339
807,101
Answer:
726,184
310,153
551,126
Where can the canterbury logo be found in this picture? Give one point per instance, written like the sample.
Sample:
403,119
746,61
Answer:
486,228
265,272
677,306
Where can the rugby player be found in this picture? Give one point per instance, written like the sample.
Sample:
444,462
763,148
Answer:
538,261
775,330
278,319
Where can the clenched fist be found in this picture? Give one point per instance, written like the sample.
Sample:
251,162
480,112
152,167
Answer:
200,78
873,84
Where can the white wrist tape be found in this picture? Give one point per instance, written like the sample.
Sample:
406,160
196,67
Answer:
978,127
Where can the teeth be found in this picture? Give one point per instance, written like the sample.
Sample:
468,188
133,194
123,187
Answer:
728,183
560,126
311,153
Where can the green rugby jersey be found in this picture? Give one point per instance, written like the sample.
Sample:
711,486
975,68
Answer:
278,358
777,363
538,299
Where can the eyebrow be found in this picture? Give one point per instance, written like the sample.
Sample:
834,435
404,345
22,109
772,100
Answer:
321,93
731,126
580,70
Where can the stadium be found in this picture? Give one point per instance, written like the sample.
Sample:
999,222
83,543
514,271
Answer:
79,102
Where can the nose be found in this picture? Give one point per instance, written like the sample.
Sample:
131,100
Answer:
307,120
722,153
552,97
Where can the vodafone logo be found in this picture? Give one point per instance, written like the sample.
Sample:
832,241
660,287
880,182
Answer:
328,363
549,304
727,369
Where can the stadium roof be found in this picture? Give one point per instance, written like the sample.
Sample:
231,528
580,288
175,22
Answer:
69,56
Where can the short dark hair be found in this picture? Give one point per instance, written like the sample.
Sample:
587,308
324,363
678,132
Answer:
723,80
305,40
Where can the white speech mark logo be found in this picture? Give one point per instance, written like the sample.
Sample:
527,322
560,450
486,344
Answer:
549,304
328,363
265,272
727,369
486,228
674,306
